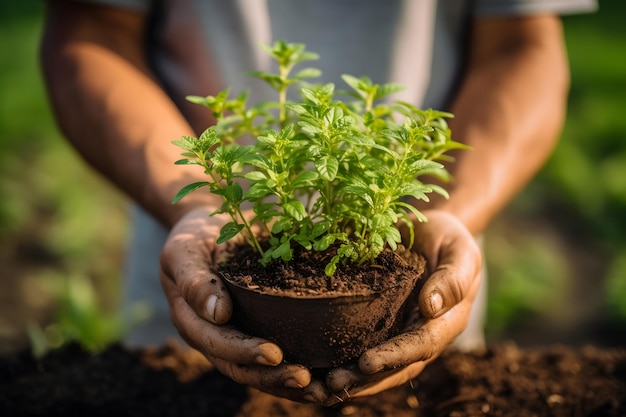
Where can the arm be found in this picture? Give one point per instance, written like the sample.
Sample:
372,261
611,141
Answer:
110,107
509,108
114,112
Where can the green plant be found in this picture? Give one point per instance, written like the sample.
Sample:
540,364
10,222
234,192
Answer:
324,172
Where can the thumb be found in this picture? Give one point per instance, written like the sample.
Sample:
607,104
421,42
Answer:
187,261
452,279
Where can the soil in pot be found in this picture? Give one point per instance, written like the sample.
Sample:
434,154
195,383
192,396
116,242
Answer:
318,320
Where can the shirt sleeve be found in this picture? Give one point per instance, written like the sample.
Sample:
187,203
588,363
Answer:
527,7
140,5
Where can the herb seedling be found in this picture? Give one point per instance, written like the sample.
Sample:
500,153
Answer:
323,173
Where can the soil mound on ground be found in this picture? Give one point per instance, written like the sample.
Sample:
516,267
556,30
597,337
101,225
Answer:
504,380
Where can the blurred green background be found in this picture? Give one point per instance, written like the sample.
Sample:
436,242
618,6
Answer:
556,255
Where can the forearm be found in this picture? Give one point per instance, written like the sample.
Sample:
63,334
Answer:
509,109
118,118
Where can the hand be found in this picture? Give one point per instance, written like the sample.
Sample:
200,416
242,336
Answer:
441,314
200,308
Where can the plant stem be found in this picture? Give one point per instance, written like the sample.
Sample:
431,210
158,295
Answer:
282,94
251,235
282,99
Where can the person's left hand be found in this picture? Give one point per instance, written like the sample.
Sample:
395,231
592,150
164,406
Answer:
200,309
442,312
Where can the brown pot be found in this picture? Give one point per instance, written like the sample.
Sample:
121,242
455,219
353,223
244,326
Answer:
321,331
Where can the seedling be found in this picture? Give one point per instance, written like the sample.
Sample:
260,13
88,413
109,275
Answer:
323,173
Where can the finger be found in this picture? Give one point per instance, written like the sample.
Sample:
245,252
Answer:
218,341
315,392
343,379
453,278
389,380
348,383
187,261
277,378
421,343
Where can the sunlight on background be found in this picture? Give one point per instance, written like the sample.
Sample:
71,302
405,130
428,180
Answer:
556,256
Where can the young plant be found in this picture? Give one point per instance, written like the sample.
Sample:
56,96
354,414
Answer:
324,174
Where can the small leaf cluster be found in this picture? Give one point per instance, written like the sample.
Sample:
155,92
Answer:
322,173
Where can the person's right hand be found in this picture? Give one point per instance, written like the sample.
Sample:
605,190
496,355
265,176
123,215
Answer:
439,314
200,308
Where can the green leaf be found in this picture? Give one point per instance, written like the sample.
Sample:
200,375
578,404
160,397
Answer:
258,191
255,176
439,190
224,208
416,165
418,214
304,179
209,138
228,231
327,166
188,189
304,241
392,237
187,143
232,193
355,83
310,95
346,251
324,243
363,193
362,140
283,223
296,108
283,252
377,243
295,209
319,228
197,100
414,190
186,162
331,268
273,80
256,160
380,221
269,138
386,89
309,128
307,73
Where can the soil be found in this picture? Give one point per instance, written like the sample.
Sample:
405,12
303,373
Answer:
505,380
306,277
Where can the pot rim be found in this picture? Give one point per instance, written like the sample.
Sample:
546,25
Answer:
335,296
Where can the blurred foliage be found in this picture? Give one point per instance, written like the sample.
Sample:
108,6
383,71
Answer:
580,195
64,228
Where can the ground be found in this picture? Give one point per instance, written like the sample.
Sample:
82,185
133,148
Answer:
505,380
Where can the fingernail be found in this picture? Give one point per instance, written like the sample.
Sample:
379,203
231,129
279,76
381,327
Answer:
211,305
262,360
436,303
310,398
292,383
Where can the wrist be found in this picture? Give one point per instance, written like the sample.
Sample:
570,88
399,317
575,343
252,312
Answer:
172,213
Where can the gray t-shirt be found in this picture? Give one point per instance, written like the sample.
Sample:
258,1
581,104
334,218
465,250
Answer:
202,46
417,43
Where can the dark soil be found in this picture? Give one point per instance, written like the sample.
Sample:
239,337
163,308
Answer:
503,381
306,277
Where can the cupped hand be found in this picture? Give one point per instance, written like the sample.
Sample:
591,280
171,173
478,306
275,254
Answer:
200,308
441,313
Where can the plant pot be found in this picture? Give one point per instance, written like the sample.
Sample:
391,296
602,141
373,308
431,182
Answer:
324,330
